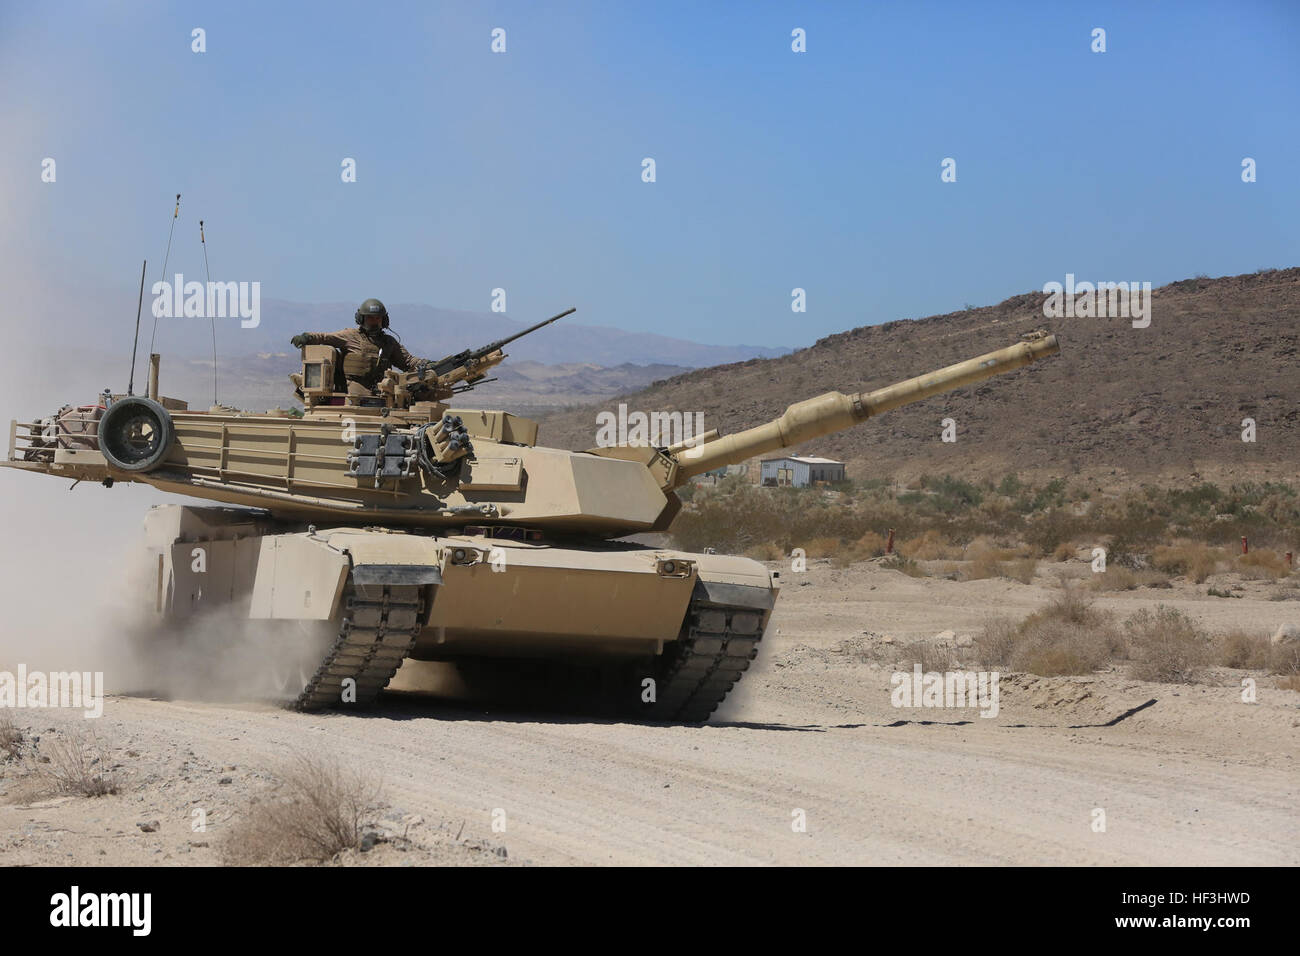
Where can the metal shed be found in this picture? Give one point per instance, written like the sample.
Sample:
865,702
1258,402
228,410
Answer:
799,471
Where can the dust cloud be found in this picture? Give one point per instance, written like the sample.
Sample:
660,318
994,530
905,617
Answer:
70,576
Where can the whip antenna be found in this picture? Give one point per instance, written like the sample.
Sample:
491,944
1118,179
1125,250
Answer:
130,385
164,269
212,318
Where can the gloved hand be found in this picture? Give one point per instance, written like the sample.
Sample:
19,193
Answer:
298,341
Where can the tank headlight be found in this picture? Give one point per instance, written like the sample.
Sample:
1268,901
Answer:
673,567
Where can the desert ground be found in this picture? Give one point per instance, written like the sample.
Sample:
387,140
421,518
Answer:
1183,773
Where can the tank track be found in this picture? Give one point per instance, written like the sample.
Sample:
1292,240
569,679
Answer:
716,646
378,630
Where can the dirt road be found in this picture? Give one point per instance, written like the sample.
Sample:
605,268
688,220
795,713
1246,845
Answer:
1197,777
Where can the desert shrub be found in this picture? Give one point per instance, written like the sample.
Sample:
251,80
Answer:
931,656
318,810
995,645
1242,650
949,495
11,738
899,563
1021,569
1068,636
822,547
870,545
1056,648
1065,551
1168,646
1197,561
1283,659
76,763
990,564
929,545
1053,528
1262,565
1120,578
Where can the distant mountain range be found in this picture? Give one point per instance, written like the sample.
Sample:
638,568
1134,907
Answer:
564,364
80,315
258,382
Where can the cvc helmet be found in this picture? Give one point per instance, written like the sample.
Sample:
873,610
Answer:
372,307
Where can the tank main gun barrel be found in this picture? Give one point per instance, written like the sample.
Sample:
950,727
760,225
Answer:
836,411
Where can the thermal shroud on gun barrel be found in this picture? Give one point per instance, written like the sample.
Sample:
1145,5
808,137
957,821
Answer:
835,411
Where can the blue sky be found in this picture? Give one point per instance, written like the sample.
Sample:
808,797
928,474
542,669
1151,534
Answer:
775,170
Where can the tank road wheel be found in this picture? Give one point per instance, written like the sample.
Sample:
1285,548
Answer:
135,433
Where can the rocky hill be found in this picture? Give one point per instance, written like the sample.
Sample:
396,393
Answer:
1118,404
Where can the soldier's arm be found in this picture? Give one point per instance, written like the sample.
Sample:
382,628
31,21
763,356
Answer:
403,359
336,339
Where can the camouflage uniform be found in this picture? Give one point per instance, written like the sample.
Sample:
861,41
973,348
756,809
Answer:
365,360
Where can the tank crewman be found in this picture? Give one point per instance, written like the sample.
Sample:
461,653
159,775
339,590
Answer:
368,350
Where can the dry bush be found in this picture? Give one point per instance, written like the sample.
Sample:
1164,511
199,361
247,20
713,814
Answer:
930,546
78,763
1262,565
1068,636
823,547
1065,551
870,545
11,738
767,551
1197,561
931,657
1071,606
997,643
318,809
988,565
1118,578
987,546
1289,683
984,566
1241,650
1056,649
1283,659
899,563
1021,569
1168,646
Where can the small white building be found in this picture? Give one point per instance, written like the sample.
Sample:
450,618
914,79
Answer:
799,471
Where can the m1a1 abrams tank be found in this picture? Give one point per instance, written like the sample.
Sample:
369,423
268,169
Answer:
400,526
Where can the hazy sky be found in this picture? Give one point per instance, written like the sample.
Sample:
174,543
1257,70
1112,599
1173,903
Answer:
775,169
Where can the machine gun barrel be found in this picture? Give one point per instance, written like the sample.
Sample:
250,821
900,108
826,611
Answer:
445,365
836,411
